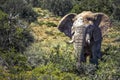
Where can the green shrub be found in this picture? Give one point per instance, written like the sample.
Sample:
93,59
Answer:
51,72
58,7
110,7
38,55
19,8
14,61
93,5
13,42
13,36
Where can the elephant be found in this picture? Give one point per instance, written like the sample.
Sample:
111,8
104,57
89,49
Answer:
87,36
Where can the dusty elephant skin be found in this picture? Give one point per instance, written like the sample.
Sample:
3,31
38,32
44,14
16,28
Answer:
87,38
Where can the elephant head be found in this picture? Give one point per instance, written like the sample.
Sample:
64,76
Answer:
100,20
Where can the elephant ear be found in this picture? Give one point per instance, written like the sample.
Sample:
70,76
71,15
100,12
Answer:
66,23
103,21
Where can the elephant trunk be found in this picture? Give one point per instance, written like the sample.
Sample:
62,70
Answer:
79,42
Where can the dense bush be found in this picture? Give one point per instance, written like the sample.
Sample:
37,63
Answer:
37,55
62,7
19,8
13,42
15,16
110,7
50,71
13,36
58,7
14,61
34,3
93,5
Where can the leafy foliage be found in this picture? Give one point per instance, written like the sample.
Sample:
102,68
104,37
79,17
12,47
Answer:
13,42
34,3
93,5
15,62
109,7
13,36
50,71
19,8
58,7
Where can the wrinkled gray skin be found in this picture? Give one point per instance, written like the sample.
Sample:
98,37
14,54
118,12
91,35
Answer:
87,40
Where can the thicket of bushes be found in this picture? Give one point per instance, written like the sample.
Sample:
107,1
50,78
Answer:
110,7
19,8
15,16
62,7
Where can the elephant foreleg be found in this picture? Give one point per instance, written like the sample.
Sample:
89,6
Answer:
96,53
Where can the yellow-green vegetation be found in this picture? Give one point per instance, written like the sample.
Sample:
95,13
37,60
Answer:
52,58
